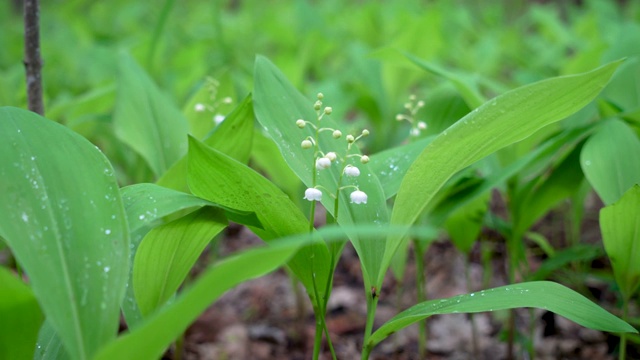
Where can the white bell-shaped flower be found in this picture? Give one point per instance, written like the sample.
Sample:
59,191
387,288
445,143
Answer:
351,170
313,194
358,197
323,163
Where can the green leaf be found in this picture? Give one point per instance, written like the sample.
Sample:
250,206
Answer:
277,107
391,165
218,178
465,84
49,345
151,338
606,162
578,252
538,294
502,121
620,226
21,318
145,204
168,252
63,218
235,130
464,225
547,192
146,120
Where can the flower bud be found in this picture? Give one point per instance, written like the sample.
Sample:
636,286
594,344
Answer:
350,138
331,156
337,134
420,103
415,132
199,107
328,110
306,144
364,159
365,132
422,125
227,100
317,105
301,123
320,96
399,117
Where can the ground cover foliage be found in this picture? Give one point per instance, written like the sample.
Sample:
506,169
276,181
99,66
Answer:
188,149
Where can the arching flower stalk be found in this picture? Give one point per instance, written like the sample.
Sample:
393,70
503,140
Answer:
412,107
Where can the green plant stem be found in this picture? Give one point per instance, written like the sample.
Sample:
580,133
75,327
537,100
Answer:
474,330
511,271
179,347
164,15
623,337
422,296
372,303
532,332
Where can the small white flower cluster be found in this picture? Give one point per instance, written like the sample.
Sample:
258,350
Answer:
323,161
413,106
212,86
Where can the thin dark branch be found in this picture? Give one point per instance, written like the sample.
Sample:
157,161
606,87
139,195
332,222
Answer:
32,59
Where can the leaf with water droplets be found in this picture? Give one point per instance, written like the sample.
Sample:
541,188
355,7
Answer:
56,205
537,294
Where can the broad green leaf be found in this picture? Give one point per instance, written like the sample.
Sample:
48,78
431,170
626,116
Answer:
145,204
49,346
21,318
540,154
538,294
151,338
606,162
502,121
277,107
146,120
168,252
63,218
391,165
218,178
267,159
620,226
234,137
